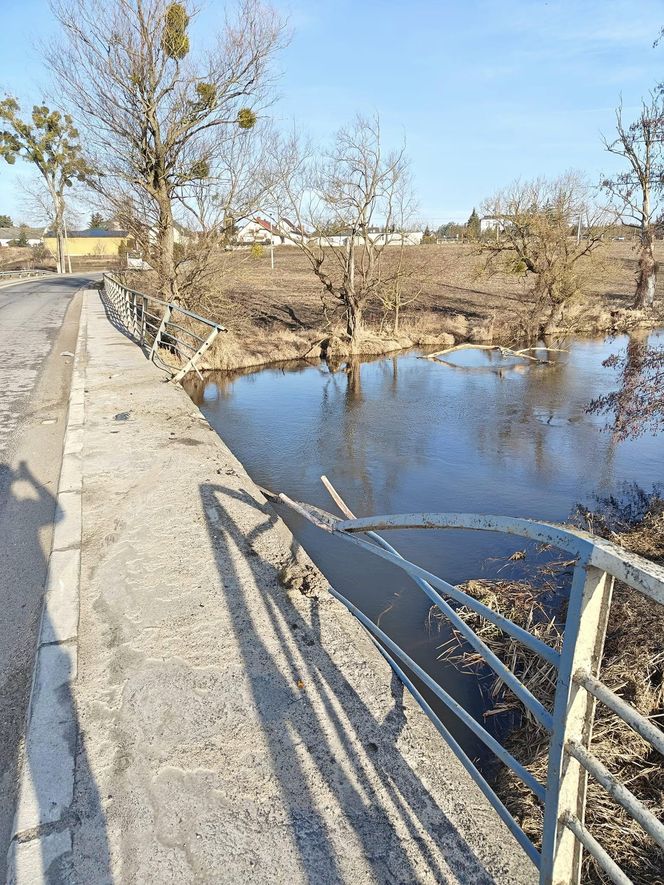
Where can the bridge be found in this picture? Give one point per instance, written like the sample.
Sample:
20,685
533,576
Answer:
202,707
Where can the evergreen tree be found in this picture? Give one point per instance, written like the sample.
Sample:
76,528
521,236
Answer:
473,226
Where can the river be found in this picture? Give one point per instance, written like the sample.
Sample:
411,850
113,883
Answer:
404,434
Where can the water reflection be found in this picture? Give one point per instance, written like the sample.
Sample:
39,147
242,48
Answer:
404,434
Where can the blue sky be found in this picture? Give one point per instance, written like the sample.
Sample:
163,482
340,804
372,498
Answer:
484,91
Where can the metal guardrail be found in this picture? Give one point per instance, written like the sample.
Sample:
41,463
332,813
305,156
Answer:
25,274
578,687
151,323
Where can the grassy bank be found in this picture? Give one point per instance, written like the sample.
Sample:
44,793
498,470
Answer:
632,666
281,313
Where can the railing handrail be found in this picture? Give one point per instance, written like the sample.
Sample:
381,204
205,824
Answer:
131,308
569,725
630,568
27,273
172,304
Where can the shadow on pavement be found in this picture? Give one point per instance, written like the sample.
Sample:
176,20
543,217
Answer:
281,649
54,720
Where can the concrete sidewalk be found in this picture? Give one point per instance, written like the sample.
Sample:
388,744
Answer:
214,715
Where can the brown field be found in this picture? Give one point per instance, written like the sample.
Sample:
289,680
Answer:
283,313
450,275
279,314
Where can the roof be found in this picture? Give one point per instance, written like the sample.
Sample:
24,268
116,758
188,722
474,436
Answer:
13,233
93,232
263,223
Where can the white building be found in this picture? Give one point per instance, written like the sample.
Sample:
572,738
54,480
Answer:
33,235
490,222
380,238
261,232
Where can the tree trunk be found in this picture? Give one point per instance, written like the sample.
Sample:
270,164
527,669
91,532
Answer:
395,324
60,259
554,319
354,321
168,284
647,276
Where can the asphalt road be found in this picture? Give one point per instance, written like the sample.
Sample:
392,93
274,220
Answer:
38,322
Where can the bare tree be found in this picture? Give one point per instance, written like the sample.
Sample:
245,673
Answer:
637,191
536,239
345,208
50,142
234,190
154,114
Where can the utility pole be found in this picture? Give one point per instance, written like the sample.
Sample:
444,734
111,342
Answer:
578,231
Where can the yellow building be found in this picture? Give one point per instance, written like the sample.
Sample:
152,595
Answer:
94,241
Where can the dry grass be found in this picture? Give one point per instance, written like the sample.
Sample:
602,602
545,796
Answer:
632,666
280,314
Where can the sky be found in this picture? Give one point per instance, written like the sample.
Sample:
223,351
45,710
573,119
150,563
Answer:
482,91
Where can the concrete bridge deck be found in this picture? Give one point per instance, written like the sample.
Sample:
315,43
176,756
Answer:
203,711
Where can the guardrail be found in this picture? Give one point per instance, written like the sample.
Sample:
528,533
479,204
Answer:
25,274
578,687
151,323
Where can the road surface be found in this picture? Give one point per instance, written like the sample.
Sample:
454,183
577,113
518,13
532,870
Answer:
38,323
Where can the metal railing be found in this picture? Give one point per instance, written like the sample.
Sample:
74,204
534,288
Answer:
152,323
24,274
578,686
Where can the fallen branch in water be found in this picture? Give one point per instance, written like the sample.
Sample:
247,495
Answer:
504,352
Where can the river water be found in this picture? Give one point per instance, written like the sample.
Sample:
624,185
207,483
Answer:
404,434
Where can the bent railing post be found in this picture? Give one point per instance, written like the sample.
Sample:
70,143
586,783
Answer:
194,359
573,714
578,686
149,319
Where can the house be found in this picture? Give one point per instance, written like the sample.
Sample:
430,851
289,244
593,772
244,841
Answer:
180,234
375,235
491,222
33,235
94,241
259,231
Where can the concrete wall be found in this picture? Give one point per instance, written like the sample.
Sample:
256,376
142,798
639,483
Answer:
78,246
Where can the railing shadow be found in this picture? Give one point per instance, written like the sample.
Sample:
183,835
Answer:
398,807
33,507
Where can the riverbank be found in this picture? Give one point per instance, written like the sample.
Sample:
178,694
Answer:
277,314
632,666
227,720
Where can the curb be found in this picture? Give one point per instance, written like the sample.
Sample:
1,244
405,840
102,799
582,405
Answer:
40,833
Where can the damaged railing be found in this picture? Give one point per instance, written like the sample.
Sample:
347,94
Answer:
159,327
578,686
